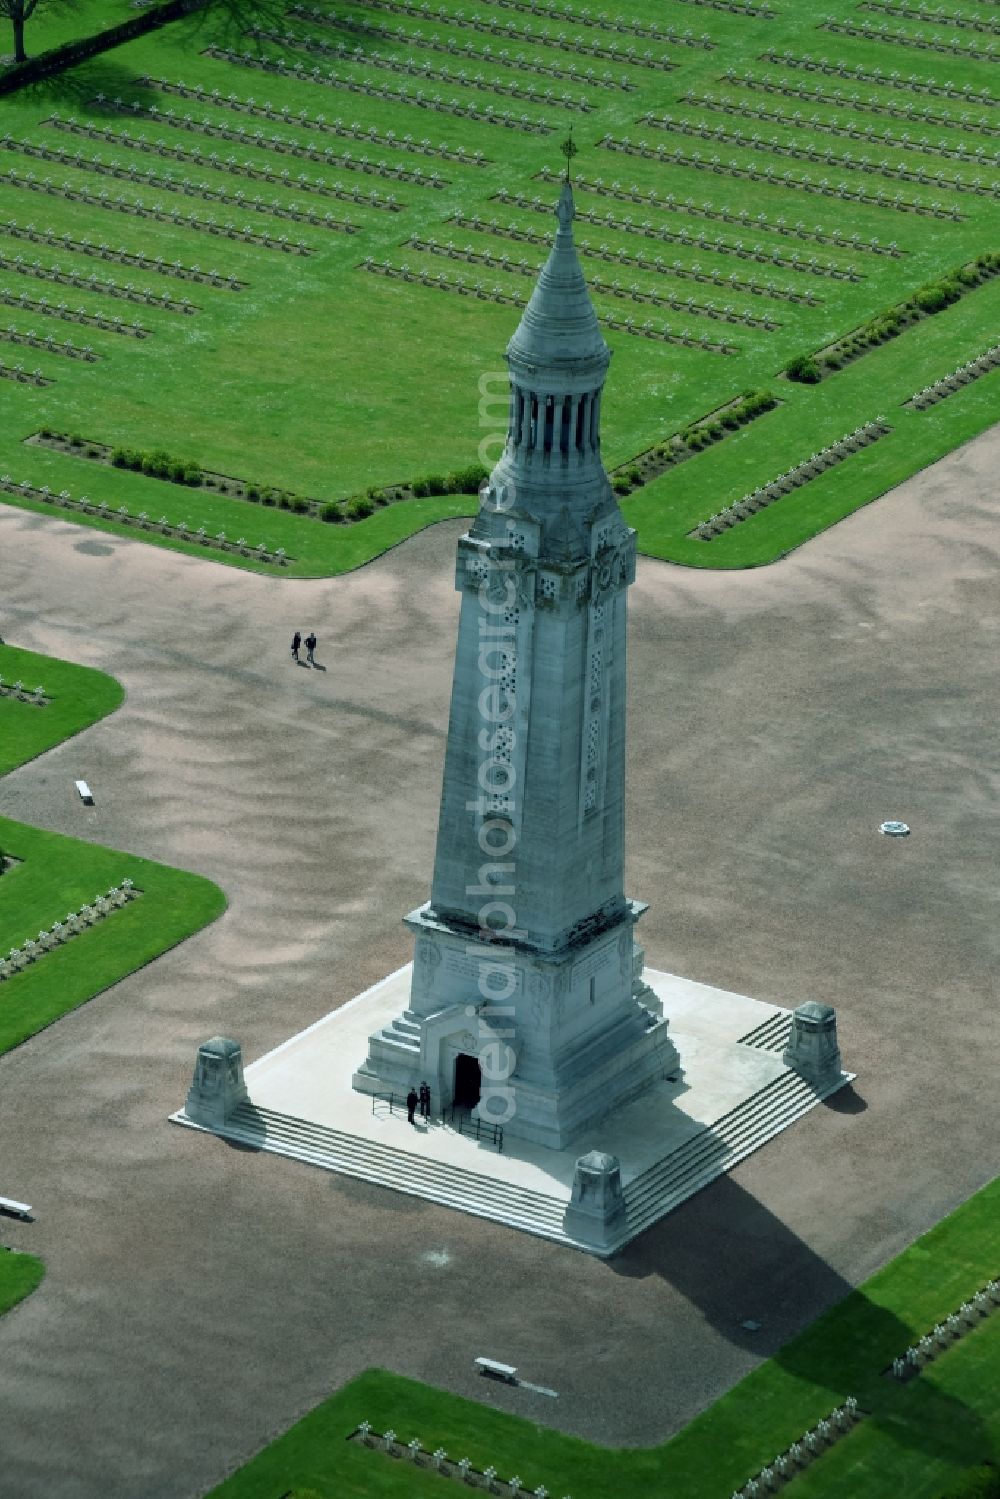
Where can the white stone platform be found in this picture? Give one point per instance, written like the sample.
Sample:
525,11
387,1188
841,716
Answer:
733,1095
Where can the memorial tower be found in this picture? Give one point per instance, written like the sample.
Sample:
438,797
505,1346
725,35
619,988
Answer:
527,1003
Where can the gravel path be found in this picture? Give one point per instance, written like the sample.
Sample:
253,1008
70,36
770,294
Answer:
200,1298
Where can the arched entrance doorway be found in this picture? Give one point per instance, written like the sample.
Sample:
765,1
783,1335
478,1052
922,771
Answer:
468,1081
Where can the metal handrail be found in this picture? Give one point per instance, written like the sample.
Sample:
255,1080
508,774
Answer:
492,1132
389,1098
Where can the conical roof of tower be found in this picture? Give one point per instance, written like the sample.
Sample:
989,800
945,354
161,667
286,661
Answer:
559,330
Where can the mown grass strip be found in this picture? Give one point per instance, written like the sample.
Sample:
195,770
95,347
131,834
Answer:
56,874
78,696
19,1275
59,873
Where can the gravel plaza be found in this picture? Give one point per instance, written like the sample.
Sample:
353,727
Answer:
199,1297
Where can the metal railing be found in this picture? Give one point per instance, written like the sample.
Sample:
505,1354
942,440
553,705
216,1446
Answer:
395,1101
392,1099
456,1114
465,1124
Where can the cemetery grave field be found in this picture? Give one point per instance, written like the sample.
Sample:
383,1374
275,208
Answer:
56,892
751,187
914,1438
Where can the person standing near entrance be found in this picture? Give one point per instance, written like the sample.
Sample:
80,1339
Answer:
311,644
296,642
425,1101
412,1099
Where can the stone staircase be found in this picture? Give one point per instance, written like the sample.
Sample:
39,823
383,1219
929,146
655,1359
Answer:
394,1056
402,1170
771,1035
717,1149
403,1033
648,1197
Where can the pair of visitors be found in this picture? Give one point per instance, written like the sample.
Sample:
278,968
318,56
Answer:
423,1098
310,644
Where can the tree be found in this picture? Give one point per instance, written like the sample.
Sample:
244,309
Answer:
18,11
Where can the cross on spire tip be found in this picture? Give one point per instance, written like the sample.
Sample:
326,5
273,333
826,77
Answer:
569,148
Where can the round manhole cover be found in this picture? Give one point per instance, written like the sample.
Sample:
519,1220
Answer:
894,829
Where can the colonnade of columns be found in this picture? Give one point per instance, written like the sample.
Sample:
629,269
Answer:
553,423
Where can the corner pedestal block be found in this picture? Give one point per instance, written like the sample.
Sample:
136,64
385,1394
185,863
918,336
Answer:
596,1213
218,1086
812,1048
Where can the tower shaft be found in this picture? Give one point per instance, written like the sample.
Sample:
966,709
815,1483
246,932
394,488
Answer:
525,962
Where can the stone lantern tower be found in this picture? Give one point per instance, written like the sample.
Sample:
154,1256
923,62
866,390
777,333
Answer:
527,1002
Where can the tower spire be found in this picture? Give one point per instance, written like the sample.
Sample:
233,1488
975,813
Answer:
558,362
559,331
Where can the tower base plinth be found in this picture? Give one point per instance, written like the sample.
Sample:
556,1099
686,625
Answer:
571,1035
683,1131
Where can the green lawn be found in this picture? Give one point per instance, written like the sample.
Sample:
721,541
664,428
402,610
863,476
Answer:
57,875
19,1275
59,21
914,1439
79,697
322,378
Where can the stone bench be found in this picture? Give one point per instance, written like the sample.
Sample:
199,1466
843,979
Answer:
14,1209
86,795
493,1370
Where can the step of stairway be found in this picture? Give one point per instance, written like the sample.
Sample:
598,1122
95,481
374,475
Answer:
756,1119
494,1205
402,1026
650,1198
404,1171
693,1165
771,1035
288,1125
401,1040
734,1120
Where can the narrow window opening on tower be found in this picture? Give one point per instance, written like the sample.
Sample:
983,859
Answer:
567,410
593,420
533,424
593,990
581,410
518,419
550,407
512,417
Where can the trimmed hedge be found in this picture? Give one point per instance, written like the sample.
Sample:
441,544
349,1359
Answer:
925,302
461,481
751,404
803,369
159,464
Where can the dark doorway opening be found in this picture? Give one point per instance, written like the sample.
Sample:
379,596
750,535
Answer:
468,1081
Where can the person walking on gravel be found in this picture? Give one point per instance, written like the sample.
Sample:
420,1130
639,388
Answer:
310,647
296,642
